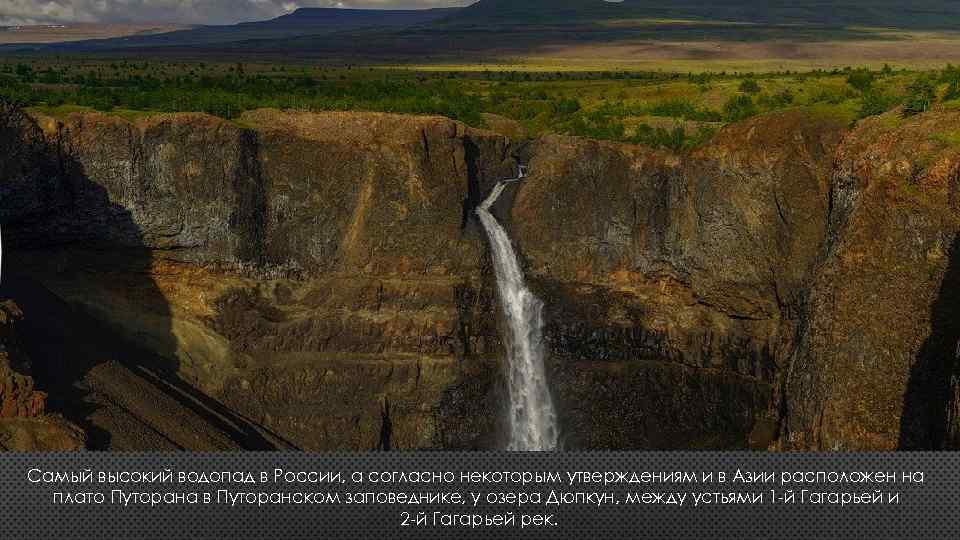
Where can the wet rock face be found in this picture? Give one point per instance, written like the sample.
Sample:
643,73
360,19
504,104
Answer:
322,279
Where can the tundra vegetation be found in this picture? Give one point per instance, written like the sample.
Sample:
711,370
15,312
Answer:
679,111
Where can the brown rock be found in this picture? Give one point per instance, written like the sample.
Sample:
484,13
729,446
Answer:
876,365
677,281
24,426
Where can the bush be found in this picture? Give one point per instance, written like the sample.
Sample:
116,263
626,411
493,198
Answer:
922,94
679,108
953,92
833,97
776,101
749,86
566,106
861,79
739,108
675,139
950,74
876,102
581,127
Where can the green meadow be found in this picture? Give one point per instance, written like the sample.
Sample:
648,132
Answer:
673,110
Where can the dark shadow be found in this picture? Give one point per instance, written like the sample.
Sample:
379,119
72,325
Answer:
386,427
925,422
62,231
474,189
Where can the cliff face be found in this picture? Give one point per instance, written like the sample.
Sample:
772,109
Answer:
315,274
676,283
876,367
318,280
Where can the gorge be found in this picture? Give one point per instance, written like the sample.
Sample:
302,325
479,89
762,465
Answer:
329,281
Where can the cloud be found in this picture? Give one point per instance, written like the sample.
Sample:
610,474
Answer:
17,12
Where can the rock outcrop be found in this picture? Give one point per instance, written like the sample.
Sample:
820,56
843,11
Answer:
319,281
24,424
876,367
18,397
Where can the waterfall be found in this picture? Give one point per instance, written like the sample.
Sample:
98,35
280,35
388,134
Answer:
532,418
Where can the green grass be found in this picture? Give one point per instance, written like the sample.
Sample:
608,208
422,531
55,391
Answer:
672,110
951,139
62,111
846,112
891,121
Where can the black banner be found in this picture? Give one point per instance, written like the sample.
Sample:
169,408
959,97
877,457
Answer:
481,495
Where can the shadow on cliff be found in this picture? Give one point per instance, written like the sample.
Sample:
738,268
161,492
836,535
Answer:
925,422
62,236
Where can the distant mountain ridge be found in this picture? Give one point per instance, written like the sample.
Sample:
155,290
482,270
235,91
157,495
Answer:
328,16
313,13
887,13
301,22
520,26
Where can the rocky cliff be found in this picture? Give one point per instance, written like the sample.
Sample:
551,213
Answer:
24,424
314,278
876,364
318,280
676,284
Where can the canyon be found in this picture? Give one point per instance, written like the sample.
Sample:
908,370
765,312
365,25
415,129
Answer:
322,281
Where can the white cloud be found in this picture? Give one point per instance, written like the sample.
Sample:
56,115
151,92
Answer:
16,12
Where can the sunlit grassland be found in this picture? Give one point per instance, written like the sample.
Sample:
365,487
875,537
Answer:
677,110
653,45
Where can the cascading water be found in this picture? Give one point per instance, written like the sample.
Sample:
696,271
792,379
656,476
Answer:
532,418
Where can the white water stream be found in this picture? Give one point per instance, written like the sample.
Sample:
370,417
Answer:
531,415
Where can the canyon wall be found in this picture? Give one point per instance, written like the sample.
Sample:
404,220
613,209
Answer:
675,284
319,281
876,363
316,275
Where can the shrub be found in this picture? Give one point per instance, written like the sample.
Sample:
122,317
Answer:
739,108
833,97
581,127
922,94
675,139
876,102
679,108
950,74
953,91
566,106
861,79
749,86
776,101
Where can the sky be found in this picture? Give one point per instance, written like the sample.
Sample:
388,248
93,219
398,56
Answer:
21,12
